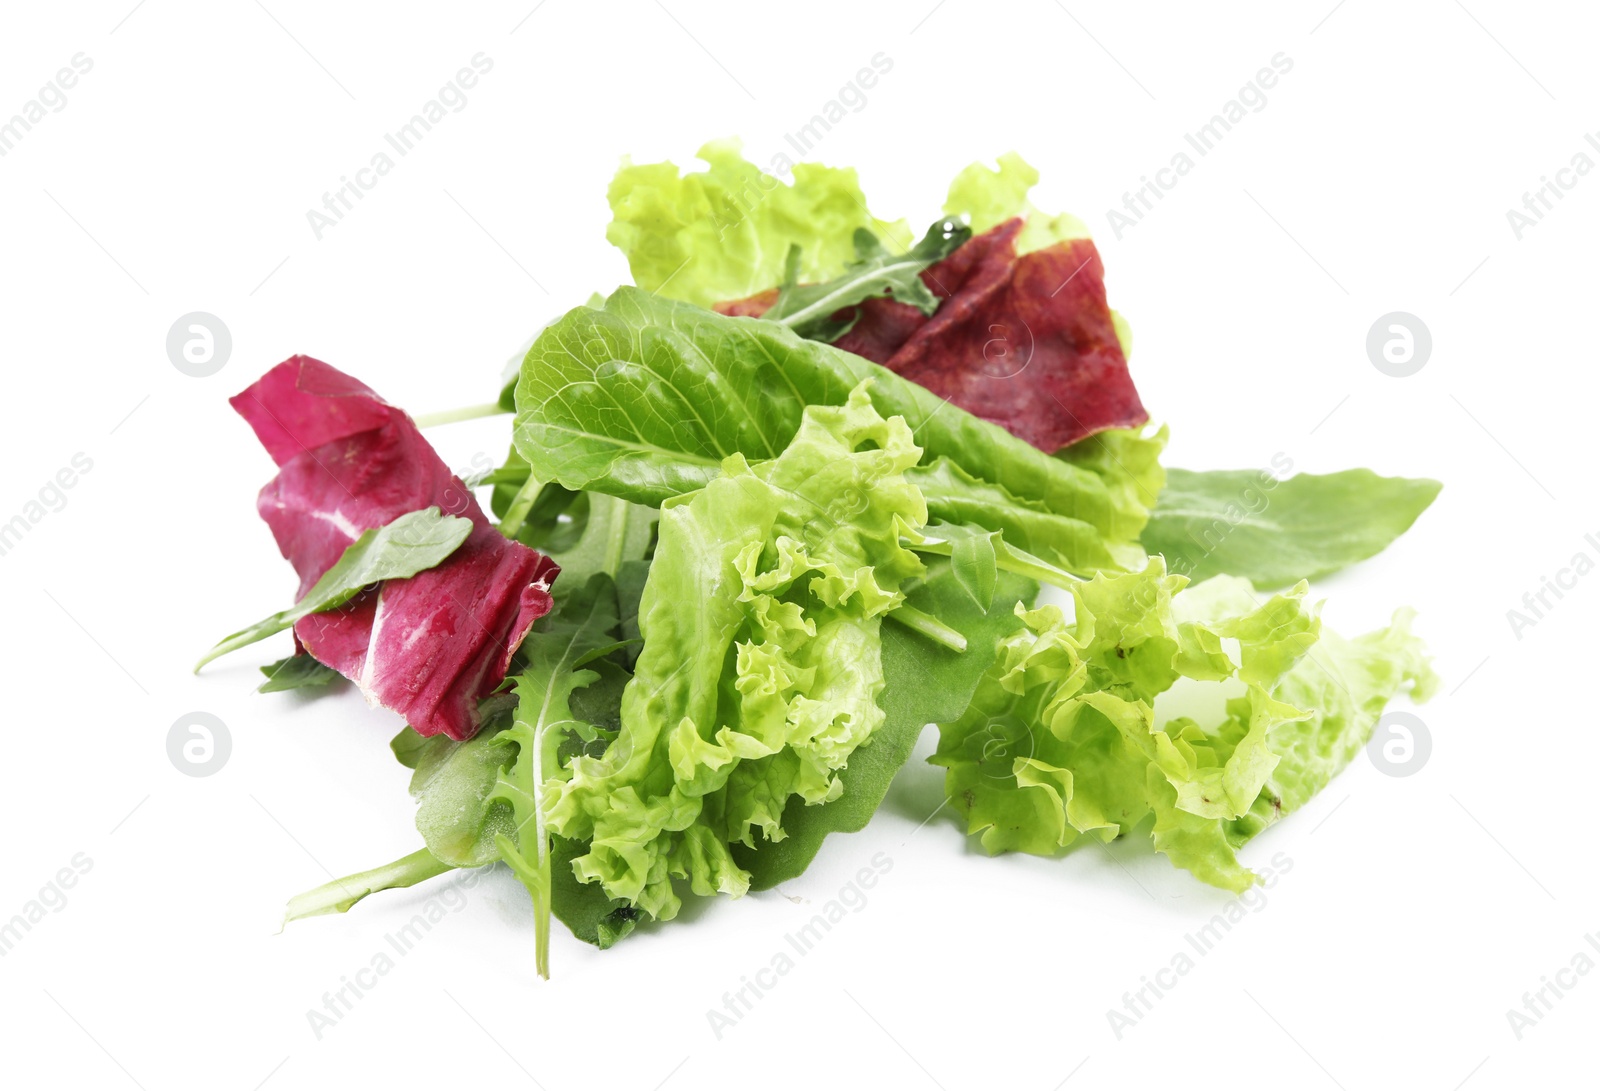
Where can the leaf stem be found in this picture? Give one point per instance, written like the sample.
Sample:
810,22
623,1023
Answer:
1009,559
617,532
341,894
929,626
841,296
466,412
521,504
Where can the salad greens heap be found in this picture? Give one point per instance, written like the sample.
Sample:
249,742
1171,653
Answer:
782,557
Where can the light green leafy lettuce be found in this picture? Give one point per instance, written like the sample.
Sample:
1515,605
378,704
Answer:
989,197
1063,740
761,667
723,233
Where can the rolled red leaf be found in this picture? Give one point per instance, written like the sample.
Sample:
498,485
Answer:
429,647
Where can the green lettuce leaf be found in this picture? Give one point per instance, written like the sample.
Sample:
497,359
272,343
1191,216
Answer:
1346,684
1248,523
761,667
723,233
645,399
988,198
453,784
1062,739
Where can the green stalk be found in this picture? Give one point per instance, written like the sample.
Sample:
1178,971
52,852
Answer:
847,291
919,621
517,513
617,538
1009,559
341,894
466,412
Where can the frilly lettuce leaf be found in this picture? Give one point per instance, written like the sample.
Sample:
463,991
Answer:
1062,738
924,683
1347,683
723,233
762,660
989,197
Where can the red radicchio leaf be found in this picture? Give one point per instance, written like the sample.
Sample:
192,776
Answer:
1026,342
429,647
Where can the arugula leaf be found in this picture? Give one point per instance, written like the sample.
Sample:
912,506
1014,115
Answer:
723,233
644,399
1248,523
977,554
556,653
924,683
468,793
593,916
409,544
809,309
296,672
614,533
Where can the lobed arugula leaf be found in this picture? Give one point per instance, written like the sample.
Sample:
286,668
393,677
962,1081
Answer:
415,541
1248,523
557,652
296,672
810,309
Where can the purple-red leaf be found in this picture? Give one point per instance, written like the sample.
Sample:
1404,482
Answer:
429,647
1026,342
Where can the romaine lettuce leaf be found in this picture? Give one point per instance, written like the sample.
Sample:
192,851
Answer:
645,398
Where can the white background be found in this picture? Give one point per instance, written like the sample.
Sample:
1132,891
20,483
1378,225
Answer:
1377,178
